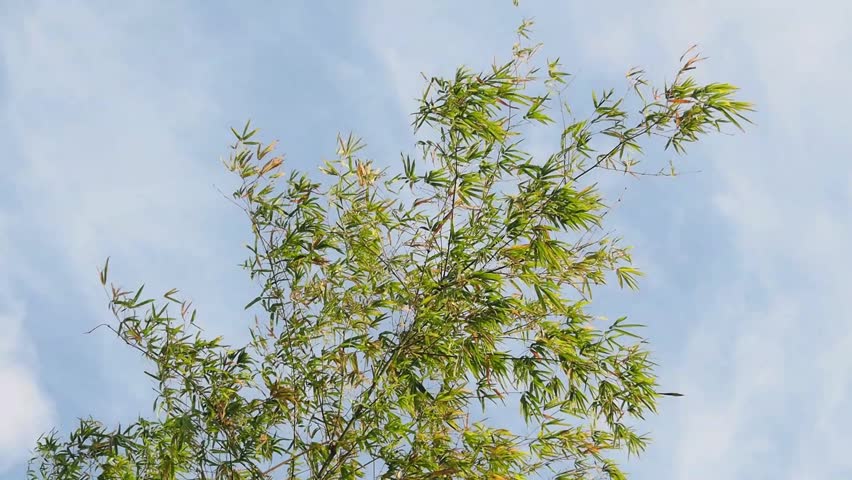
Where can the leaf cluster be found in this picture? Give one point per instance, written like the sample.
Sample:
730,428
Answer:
398,307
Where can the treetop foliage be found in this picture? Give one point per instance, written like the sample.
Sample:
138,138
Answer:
400,308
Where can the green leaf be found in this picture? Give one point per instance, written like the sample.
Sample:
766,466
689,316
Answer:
251,303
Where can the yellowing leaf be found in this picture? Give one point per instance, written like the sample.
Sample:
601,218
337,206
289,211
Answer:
266,150
274,162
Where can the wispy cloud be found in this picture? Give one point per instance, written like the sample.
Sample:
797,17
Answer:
430,38
27,410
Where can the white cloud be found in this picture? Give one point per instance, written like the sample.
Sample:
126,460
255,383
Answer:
26,411
736,377
794,234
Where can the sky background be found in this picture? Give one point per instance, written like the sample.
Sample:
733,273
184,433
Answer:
114,119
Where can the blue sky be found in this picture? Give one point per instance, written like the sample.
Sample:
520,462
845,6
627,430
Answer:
114,119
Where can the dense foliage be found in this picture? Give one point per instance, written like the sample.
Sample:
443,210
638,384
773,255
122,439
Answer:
420,321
